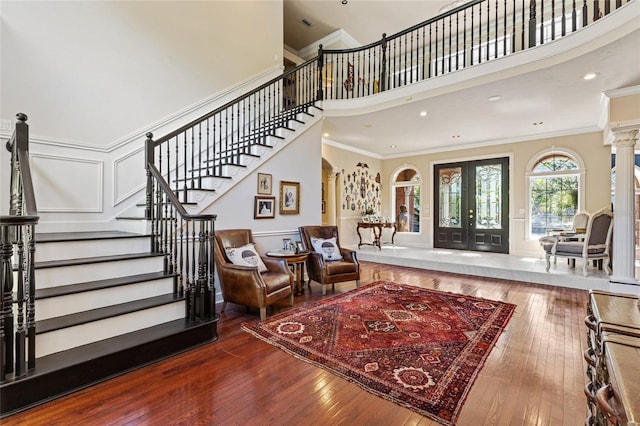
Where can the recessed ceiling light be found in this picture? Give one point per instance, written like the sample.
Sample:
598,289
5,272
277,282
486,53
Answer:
589,76
456,136
326,135
423,113
393,146
537,123
495,98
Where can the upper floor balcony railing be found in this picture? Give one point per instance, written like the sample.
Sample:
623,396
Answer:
476,32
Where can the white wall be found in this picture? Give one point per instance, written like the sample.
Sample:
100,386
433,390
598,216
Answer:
94,77
300,161
93,72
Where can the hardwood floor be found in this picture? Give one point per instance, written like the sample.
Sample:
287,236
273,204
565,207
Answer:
534,375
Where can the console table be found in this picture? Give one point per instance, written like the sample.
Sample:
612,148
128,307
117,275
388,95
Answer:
613,388
377,232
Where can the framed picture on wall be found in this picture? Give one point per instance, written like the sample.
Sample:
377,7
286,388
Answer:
289,197
264,207
264,183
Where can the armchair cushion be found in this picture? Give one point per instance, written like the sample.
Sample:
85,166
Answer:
246,256
328,248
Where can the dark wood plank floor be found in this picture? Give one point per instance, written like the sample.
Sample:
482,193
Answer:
534,375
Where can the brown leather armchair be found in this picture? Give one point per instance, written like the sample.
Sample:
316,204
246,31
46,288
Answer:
329,272
244,285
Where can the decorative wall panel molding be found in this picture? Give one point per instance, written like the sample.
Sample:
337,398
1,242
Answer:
67,185
128,175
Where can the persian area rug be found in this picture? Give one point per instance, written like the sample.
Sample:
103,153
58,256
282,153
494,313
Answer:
418,347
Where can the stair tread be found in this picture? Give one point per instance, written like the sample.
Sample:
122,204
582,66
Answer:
78,318
45,293
49,237
98,259
112,345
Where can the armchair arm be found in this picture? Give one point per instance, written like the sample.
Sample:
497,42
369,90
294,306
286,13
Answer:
276,265
315,266
349,255
237,282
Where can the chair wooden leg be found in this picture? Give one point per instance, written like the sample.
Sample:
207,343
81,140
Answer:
263,314
585,265
357,283
291,300
548,260
324,289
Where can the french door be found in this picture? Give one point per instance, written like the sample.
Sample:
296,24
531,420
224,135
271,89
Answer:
472,205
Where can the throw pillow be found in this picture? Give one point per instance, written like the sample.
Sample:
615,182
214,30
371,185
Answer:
246,256
327,248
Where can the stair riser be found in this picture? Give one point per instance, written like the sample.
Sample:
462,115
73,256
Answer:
91,248
60,340
72,303
64,275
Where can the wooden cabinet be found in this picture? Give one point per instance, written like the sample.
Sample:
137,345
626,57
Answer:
613,359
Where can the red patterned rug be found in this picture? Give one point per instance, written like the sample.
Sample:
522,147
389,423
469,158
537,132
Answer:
417,347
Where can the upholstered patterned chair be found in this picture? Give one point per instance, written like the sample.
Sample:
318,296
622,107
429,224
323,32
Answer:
253,280
328,263
576,233
596,244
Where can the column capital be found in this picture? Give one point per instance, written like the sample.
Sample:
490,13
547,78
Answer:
625,136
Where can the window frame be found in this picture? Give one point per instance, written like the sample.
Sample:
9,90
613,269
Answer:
580,172
402,184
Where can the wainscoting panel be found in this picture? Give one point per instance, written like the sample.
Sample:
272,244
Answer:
128,175
64,184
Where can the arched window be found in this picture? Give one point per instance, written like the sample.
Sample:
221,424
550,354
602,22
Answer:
406,199
554,192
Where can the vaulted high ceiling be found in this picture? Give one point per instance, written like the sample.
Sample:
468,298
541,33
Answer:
459,113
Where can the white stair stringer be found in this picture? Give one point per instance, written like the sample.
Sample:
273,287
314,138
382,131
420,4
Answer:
221,185
71,337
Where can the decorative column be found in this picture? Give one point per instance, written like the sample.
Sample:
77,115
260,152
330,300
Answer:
623,207
331,197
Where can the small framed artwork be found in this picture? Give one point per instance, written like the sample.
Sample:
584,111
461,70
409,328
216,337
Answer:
264,207
289,197
264,183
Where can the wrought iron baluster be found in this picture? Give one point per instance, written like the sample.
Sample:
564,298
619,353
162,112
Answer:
20,334
31,299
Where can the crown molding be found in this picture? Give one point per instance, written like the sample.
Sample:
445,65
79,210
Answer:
337,36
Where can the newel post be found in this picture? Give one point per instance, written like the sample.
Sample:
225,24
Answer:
320,93
532,23
149,159
383,67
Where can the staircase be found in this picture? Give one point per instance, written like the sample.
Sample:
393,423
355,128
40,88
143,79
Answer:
107,302
104,306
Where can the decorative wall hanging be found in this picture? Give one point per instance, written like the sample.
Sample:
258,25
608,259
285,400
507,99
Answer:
289,197
264,183
264,207
361,189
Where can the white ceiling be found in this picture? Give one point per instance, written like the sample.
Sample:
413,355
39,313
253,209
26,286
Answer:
462,116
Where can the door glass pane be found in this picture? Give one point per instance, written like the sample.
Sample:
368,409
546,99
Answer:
408,208
488,196
450,195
